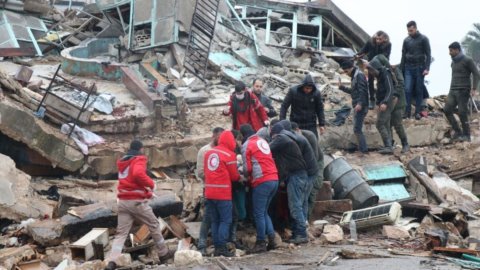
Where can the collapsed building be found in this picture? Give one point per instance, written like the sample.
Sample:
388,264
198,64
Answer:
79,83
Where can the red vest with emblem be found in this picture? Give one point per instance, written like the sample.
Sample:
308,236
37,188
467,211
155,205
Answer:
258,161
134,183
220,168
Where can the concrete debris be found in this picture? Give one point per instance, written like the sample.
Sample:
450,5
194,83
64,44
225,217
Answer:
394,232
185,258
332,233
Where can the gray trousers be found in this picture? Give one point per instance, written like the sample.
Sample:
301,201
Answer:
128,212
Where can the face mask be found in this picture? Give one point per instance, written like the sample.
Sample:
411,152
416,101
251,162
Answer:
240,96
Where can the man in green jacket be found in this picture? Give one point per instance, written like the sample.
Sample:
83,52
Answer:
461,89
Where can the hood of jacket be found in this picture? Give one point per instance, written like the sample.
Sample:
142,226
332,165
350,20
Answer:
227,140
308,81
378,63
124,163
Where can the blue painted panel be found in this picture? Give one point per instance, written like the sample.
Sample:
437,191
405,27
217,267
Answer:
383,172
391,191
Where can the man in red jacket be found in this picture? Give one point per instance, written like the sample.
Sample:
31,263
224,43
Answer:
245,108
135,188
259,167
220,169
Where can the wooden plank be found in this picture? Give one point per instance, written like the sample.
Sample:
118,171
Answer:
322,208
458,251
90,245
141,235
67,108
12,52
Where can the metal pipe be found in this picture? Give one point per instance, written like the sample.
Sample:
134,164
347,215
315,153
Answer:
81,110
49,86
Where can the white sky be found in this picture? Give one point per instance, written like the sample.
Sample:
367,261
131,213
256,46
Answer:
441,21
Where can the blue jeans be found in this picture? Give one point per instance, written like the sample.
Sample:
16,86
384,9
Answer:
297,192
220,213
311,180
358,118
262,196
414,83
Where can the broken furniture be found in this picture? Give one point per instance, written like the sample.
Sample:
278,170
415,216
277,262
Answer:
90,245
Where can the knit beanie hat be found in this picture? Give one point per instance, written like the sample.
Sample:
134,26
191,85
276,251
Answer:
276,129
246,130
136,145
286,124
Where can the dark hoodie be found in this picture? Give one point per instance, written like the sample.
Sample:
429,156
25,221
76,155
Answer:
385,86
306,108
359,88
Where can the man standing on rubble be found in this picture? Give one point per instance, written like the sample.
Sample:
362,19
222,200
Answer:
257,87
293,175
461,90
135,188
385,102
261,173
415,63
245,108
378,44
220,168
359,93
307,106
205,226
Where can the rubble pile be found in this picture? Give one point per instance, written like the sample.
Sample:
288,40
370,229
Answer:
92,77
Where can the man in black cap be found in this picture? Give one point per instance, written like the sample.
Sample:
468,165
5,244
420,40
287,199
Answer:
307,106
135,189
359,93
461,89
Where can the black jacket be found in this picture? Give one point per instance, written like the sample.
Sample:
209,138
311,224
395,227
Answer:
267,103
371,49
416,52
306,108
359,88
306,150
385,85
287,155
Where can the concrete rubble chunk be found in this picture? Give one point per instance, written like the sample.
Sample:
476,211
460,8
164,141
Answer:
332,233
184,258
394,232
11,256
267,53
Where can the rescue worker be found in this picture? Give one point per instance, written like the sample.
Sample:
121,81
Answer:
205,226
245,108
461,89
262,176
307,106
135,189
358,91
220,168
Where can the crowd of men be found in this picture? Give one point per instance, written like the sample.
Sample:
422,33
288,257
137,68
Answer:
269,171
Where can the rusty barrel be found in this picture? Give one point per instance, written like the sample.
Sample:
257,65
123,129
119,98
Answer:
349,184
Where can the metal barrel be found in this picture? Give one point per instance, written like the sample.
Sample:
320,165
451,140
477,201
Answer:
347,183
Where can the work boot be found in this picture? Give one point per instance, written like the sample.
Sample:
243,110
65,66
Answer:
169,255
271,243
223,251
387,150
297,240
406,115
203,251
456,136
418,116
111,266
260,247
464,138
405,148
371,105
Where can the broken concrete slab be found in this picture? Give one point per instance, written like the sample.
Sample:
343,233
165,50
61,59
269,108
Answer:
9,257
139,88
23,126
266,53
248,56
231,68
185,258
46,232
394,232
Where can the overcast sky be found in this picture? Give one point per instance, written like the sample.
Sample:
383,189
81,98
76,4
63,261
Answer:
441,21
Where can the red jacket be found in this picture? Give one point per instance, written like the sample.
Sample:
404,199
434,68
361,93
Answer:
134,183
250,111
220,168
258,162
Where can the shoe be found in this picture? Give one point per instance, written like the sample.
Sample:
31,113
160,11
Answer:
170,254
111,266
223,251
298,240
456,136
406,115
271,243
260,247
464,138
203,251
386,150
371,105
238,245
405,148
418,116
